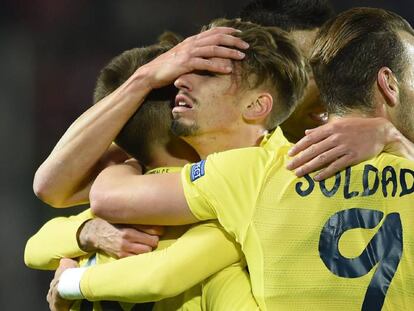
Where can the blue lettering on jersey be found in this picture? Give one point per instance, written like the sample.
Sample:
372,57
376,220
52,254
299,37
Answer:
384,251
373,179
197,170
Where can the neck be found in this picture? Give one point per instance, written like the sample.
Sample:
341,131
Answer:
176,153
291,136
356,114
208,143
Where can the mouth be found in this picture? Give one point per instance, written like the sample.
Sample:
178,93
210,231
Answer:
182,103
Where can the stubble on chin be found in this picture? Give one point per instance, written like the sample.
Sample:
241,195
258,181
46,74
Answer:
182,130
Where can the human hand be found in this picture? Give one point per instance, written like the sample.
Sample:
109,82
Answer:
338,144
195,53
118,240
57,303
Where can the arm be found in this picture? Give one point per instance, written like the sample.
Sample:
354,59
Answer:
121,194
229,289
71,237
57,303
54,241
345,142
150,276
65,177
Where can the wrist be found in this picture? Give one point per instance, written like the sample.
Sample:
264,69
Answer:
69,283
86,237
143,80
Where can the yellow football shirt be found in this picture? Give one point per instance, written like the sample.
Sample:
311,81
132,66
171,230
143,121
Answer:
181,261
229,289
346,243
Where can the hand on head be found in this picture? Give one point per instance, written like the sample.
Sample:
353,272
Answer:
196,53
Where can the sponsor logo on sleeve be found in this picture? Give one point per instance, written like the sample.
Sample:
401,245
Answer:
197,170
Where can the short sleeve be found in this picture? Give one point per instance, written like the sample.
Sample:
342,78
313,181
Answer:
226,185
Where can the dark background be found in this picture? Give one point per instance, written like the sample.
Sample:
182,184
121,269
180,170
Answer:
50,54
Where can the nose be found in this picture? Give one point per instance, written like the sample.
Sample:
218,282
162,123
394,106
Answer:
183,83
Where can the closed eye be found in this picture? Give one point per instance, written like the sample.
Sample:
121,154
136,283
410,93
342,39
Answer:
205,73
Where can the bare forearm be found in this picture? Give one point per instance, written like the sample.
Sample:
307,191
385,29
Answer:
71,166
120,195
66,175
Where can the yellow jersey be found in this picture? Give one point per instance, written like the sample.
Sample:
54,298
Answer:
346,243
181,260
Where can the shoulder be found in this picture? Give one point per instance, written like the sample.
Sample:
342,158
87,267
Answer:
242,157
387,159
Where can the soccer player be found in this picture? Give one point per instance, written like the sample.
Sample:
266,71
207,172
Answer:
147,137
296,233
282,63
302,19
334,146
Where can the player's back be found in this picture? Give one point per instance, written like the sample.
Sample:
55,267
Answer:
346,243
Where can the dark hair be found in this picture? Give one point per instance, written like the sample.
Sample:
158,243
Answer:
349,51
272,60
288,14
151,123
121,67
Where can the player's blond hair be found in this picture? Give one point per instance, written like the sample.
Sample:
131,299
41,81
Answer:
272,61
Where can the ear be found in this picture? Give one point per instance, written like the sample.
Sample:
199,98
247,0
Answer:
259,108
388,86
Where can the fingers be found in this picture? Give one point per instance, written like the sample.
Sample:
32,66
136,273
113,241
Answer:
341,143
131,249
202,64
312,137
209,58
135,236
126,240
208,51
212,32
214,43
52,297
220,29
214,51
150,229
322,160
132,242
221,39
300,162
49,293
335,167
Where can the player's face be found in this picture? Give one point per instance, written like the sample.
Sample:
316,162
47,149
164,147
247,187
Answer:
310,111
206,103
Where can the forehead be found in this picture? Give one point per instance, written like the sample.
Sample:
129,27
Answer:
408,43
